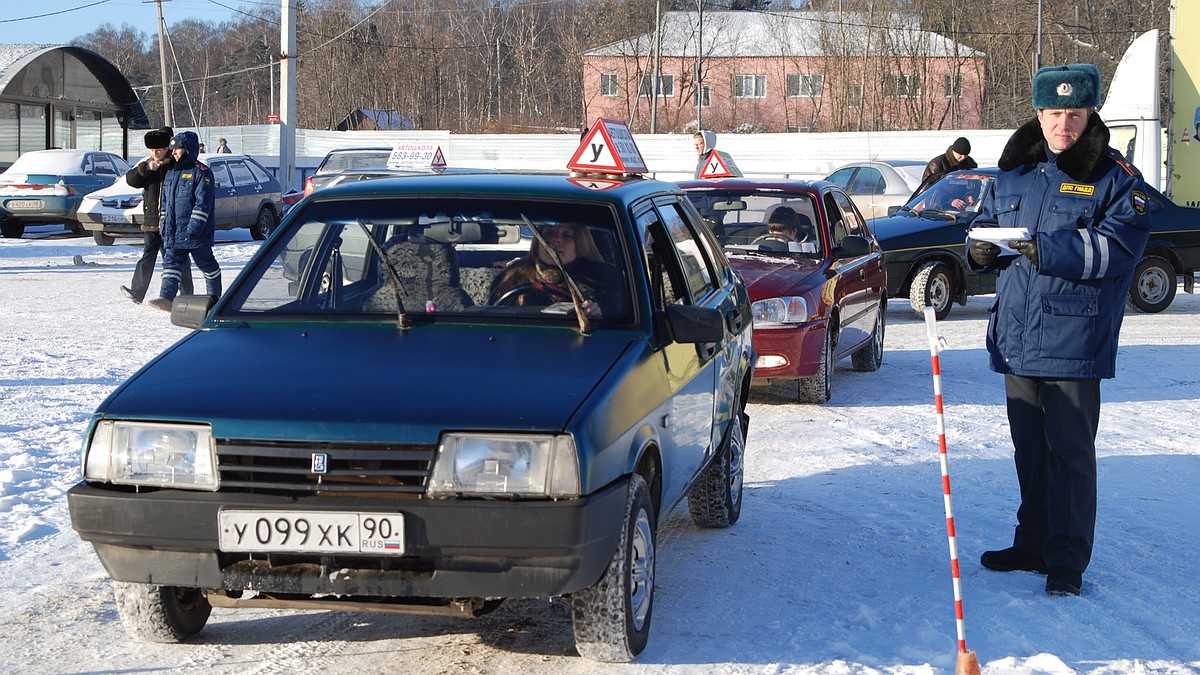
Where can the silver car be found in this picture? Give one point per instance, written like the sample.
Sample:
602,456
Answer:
47,186
877,186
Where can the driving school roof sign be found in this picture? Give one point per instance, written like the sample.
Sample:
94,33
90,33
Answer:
420,155
608,147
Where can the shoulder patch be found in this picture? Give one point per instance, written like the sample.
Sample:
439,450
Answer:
201,165
1121,162
1137,199
1077,189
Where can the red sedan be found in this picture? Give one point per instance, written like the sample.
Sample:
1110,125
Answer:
819,294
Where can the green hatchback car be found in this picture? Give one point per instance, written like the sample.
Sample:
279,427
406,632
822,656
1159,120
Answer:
430,394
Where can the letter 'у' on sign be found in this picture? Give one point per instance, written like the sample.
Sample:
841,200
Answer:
717,166
608,147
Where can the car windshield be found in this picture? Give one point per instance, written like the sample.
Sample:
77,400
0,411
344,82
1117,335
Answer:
357,159
454,259
740,219
953,195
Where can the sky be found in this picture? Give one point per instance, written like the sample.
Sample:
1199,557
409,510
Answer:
839,564
60,21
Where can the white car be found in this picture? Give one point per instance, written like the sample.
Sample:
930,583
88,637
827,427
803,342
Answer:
877,186
247,196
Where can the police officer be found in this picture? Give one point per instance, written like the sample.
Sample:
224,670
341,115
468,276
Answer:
1060,299
187,227
148,176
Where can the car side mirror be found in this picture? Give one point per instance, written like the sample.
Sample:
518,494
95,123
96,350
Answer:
893,210
189,311
694,325
853,246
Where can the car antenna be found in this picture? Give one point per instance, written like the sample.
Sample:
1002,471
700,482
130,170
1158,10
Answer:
585,325
393,276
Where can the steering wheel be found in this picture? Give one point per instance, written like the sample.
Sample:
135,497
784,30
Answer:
534,288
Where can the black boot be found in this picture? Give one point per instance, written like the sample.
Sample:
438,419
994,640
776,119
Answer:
1012,560
1063,581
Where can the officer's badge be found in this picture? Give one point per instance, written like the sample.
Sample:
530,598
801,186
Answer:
1139,202
1064,89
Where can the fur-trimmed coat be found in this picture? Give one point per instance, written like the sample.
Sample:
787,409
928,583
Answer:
1088,213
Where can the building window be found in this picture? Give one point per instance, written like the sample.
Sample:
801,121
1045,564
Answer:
903,86
608,84
854,96
749,86
805,86
666,86
705,95
952,84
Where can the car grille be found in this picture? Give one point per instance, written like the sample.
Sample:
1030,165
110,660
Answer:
256,466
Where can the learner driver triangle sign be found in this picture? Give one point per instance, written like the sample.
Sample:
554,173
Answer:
719,165
608,147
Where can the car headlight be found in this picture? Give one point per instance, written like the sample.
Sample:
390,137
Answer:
533,465
148,453
779,311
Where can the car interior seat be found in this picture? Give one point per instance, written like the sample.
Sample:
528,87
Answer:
427,272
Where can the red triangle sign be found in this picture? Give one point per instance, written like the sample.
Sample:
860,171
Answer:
608,147
438,158
717,166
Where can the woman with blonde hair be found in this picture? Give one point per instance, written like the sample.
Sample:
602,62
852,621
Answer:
535,280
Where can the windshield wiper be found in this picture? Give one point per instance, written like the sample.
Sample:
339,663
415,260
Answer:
393,275
585,324
938,212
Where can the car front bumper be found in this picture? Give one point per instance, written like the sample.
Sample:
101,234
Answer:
453,548
798,347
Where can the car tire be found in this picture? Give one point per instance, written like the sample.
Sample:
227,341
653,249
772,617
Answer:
932,286
12,229
1153,287
869,358
611,619
264,224
161,613
819,387
716,498
102,239
74,227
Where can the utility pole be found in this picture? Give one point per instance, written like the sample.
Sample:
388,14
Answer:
162,62
657,58
287,95
700,69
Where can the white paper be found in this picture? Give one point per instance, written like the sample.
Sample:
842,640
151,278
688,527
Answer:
999,236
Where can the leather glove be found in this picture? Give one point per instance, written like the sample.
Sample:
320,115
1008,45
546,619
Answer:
1026,247
984,253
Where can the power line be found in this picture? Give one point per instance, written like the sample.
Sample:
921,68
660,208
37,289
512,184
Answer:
61,11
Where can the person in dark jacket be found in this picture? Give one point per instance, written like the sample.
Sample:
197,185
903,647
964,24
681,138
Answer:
188,202
1060,298
957,156
147,176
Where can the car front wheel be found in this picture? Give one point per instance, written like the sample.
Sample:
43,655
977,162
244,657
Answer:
611,619
932,287
12,229
716,498
819,387
264,224
161,613
1153,287
102,239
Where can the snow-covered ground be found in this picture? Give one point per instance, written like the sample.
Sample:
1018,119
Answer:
839,565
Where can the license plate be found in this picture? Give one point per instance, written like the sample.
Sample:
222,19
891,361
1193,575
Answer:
311,532
111,218
24,204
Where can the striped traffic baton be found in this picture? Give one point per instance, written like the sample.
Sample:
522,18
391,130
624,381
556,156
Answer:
968,663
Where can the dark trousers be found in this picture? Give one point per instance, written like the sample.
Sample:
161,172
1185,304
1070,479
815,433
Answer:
1053,425
144,269
176,259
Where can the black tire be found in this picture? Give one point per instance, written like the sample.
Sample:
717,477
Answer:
74,227
716,498
932,286
161,613
102,239
1153,286
870,356
819,387
611,619
264,224
12,229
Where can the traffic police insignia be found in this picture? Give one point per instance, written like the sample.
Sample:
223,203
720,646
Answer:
1138,200
1064,89
1076,189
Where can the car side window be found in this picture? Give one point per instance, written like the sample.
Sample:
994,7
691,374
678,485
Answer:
837,222
241,174
260,174
869,181
698,273
662,268
851,217
220,174
104,165
842,177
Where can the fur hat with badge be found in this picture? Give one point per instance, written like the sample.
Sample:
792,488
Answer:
1073,86
159,138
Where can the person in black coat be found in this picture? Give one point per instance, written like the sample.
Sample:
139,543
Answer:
147,175
957,156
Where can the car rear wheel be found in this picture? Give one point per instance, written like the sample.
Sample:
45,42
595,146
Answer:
161,613
611,619
1153,287
716,498
932,287
12,229
74,227
868,358
819,387
102,239
264,224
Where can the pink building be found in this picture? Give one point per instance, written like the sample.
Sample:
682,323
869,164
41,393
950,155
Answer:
787,71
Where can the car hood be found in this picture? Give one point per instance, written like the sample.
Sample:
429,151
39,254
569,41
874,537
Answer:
769,276
897,226
119,190
369,383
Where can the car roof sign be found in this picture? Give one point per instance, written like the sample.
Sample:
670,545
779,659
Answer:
720,165
608,148
416,155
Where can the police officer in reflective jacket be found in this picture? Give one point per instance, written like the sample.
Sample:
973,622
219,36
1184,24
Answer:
187,223
1060,298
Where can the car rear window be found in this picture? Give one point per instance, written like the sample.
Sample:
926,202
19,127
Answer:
360,159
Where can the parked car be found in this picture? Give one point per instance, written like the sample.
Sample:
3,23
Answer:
247,195
925,241
876,186
345,159
822,299
47,186
380,432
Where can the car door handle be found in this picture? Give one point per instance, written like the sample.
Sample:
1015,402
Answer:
733,319
707,350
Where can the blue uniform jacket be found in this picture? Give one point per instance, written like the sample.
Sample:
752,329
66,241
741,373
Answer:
188,203
1088,212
